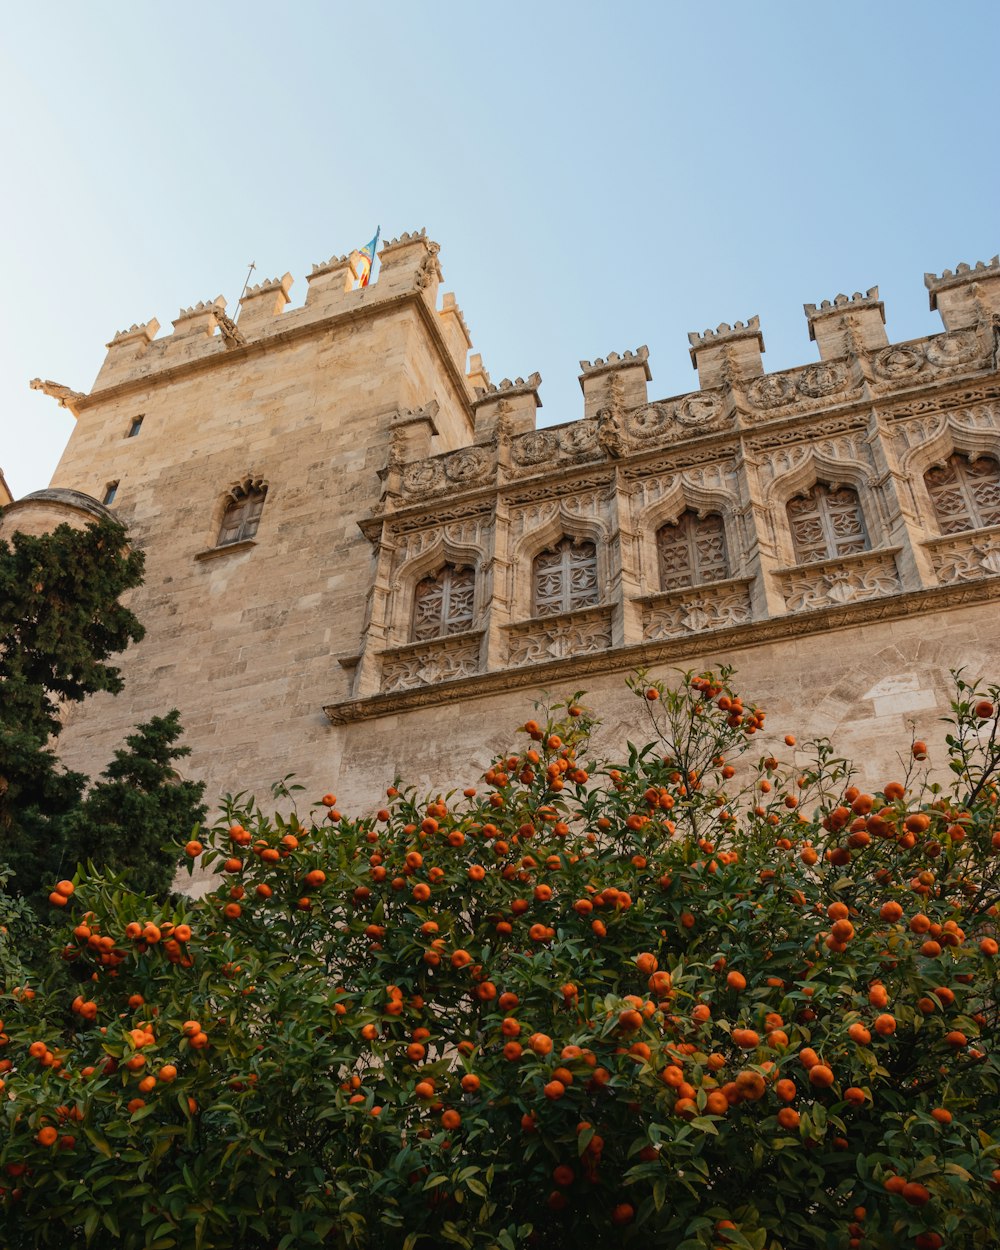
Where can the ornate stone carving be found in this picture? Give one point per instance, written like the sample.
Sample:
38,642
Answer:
966,557
423,477
559,637
834,582
648,423
899,362
771,391
534,448
67,398
581,439
694,609
427,663
948,351
469,466
822,379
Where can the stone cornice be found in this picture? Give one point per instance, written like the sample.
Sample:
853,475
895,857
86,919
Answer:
697,649
300,329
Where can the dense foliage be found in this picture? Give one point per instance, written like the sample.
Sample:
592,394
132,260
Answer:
61,622
681,1001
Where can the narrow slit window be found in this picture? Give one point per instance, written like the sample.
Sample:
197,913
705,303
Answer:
135,427
109,493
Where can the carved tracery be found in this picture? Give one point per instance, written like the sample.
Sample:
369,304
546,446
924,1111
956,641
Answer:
692,551
564,577
826,523
443,603
965,493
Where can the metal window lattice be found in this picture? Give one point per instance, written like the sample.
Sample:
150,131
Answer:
443,603
692,552
827,523
565,578
242,517
965,493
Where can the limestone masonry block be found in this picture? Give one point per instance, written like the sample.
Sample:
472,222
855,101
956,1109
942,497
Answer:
630,370
966,296
737,347
845,324
329,282
455,331
201,319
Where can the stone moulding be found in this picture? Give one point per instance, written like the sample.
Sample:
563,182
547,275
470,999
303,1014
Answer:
584,632
966,557
432,662
683,652
842,580
695,609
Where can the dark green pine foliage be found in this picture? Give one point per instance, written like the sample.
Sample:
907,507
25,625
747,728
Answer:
61,621
138,807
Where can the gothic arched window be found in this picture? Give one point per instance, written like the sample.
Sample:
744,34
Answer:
965,493
692,551
826,523
242,516
443,603
564,577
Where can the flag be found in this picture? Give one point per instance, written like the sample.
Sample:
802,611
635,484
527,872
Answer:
366,257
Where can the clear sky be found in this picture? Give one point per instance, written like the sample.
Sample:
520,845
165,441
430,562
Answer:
599,175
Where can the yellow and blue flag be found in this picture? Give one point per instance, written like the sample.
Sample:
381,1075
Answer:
367,255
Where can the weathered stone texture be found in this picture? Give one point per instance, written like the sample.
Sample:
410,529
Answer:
832,531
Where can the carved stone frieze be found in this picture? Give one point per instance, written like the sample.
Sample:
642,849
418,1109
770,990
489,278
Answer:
718,477
670,421
966,557
694,609
535,448
847,579
777,390
940,354
559,637
942,402
466,531
557,487
921,429
467,467
427,663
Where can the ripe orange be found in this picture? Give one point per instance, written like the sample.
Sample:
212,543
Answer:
46,1136
885,1025
788,1117
821,1076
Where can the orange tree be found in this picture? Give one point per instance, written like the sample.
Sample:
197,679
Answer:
686,1001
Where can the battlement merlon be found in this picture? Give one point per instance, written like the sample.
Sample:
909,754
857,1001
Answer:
967,295
846,323
201,319
455,331
514,401
739,346
264,301
631,370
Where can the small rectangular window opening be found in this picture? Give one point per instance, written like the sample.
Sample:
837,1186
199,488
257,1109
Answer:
135,427
109,493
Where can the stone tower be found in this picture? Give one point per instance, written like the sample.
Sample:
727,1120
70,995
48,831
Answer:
364,558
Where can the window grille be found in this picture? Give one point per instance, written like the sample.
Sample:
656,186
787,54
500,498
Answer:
564,577
443,603
692,551
242,516
965,493
827,523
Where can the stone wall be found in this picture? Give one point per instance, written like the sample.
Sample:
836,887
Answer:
832,530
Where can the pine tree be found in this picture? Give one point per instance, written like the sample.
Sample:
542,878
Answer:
61,621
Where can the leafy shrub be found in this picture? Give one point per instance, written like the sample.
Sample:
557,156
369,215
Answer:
683,1002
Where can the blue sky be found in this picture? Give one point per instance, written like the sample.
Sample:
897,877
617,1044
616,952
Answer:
598,175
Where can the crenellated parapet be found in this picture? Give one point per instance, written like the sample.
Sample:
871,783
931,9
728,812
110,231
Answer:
966,296
847,325
509,406
615,380
728,352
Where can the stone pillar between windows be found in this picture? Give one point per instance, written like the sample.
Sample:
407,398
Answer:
906,525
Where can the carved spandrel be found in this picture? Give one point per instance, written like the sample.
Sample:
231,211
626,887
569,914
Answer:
837,582
571,634
697,609
444,659
966,557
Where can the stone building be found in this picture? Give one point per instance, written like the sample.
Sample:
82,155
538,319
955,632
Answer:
364,558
